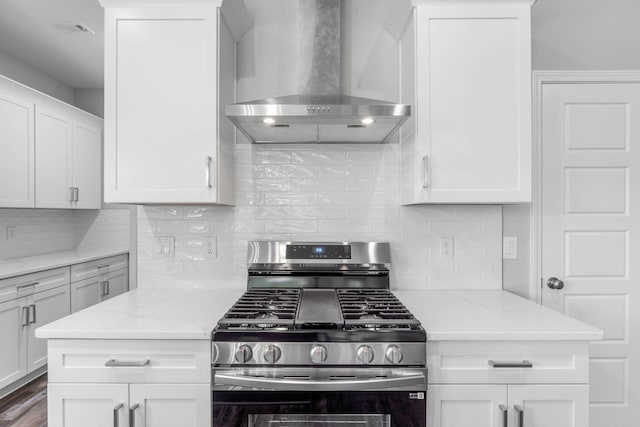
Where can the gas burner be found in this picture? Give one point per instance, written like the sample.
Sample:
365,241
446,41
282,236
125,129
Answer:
267,316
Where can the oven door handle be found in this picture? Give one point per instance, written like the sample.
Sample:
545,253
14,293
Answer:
408,382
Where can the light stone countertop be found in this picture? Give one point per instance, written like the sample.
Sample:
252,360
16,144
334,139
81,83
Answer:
193,313
20,266
491,315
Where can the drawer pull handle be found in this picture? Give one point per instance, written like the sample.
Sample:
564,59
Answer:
505,415
520,410
116,411
103,266
113,363
523,364
28,285
132,415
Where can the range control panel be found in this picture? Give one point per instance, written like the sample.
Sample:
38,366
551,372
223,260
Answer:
311,251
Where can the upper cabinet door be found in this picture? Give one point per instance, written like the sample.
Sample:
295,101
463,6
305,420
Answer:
467,71
87,165
161,105
17,178
53,160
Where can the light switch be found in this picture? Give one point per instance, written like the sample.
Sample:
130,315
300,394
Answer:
510,247
164,247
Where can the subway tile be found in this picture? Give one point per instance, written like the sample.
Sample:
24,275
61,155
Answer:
291,198
373,184
373,212
319,184
260,212
290,226
318,212
317,157
263,184
290,171
345,170
344,198
345,226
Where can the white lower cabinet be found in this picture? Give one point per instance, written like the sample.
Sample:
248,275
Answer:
549,405
88,292
508,384
13,335
129,405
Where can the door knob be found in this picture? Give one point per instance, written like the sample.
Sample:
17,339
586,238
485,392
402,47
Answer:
555,283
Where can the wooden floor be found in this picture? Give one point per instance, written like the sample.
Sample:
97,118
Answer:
27,406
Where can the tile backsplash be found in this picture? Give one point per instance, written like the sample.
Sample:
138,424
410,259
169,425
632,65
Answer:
322,193
41,231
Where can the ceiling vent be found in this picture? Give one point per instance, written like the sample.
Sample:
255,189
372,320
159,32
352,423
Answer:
72,27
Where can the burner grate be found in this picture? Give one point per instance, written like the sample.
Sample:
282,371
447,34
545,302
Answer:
263,308
374,309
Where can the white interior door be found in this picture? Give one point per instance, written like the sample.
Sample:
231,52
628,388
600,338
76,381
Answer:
590,201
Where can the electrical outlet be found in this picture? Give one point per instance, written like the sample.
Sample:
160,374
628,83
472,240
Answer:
510,248
446,247
210,247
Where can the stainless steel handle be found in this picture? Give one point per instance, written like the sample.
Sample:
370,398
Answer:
320,385
555,283
520,411
208,172
425,171
28,285
25,316
106,288
127,364
523,364
32,311
116,413
103,266
505,415
71,192
76,192
132,414
101,284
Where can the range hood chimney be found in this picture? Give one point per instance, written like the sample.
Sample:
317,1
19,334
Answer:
320,113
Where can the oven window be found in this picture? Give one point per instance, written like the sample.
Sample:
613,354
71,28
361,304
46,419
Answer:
316,420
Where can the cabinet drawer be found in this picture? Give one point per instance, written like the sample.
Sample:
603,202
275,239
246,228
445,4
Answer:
83,361
20,286
90,269
451,362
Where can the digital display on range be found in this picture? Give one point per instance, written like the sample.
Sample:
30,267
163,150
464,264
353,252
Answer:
318,252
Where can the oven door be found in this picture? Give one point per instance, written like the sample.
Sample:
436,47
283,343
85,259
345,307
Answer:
324,397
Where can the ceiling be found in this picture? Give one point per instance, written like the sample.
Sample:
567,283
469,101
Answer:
74,58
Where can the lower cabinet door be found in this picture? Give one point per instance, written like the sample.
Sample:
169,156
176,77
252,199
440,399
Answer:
13,336
170,405
549,405
117,283
467,406
44,307
85,293
82,405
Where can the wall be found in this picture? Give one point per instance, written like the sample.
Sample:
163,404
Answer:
91,100
42,231
20,71
585,35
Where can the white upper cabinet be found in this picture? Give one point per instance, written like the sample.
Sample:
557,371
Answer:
68,160
50,151
17,152
466,70
170,70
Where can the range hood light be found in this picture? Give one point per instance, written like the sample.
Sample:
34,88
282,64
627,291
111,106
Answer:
268,121
367,121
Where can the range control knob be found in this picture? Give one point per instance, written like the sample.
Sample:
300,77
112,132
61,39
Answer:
318,353
364,353
272,353
393,354
243,353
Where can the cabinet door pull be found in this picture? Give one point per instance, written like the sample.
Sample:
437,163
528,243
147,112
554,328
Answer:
132,415
32,314
208,172
425,171
28,285
106,287
76,192
505,415
101,289
520,411
25,316
523,364
113,363
116,413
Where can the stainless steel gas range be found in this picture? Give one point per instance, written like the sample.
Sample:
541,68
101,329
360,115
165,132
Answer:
318,339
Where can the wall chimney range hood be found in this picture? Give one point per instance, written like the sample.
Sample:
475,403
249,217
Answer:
320,114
